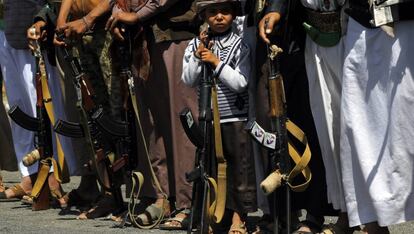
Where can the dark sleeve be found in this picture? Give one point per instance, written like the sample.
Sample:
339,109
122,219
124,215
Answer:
276,6
47,14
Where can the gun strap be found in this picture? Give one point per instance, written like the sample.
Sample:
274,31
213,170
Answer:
42,175
62,175
301,160
155,180
220,199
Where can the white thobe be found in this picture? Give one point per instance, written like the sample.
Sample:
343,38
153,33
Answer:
18,67
377,131
324,71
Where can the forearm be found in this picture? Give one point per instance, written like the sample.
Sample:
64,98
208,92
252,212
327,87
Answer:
236,78
103,7
154,7
192,68
276,6
64,11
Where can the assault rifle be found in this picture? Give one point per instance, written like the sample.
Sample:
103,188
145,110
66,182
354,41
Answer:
122,131
201,137
106,165
41,125
277,141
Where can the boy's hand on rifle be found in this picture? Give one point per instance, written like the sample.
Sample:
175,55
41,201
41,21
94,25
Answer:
208,56
267,24
36,32
203,41
205,54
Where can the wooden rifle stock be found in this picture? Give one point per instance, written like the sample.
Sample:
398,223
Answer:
87,93
277,97
44,136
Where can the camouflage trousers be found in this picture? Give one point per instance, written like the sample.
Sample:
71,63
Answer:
96,60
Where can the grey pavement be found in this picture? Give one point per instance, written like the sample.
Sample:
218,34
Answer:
18,218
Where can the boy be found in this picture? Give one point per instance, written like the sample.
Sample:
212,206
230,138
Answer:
229,59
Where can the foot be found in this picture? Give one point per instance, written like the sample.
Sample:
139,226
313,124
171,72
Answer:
238,225
57,191
103,207
154,213
374,228
19,190
2,188
180,221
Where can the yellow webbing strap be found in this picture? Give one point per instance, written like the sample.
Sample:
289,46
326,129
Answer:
301,161
62,175
137,179
42,176
221,162
154,177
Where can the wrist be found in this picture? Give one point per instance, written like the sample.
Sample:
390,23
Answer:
87,22
216,62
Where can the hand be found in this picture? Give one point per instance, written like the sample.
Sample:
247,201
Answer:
35,33
60,28
203,40
209,57
123,17
118,33
75,29
265,29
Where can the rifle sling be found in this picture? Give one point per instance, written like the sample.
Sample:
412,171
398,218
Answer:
42,175
138,175
218,206
301,161
62,174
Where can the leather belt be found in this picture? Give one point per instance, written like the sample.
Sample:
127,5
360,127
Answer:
326,22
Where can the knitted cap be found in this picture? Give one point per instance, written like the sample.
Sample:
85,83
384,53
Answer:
201,5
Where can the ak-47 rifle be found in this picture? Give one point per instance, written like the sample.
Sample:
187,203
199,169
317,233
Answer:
203,210
201,137
122,131
281,150
106,165
41,125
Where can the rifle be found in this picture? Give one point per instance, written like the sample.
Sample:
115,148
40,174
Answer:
123,131
278,143
41,125
201,136
90,128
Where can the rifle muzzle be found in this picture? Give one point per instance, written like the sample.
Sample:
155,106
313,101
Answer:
31,158
272,182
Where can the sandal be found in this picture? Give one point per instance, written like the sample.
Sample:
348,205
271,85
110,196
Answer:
336,229
150,215
18,194
183,221
238,228
27,200
102,208
60,197
2,188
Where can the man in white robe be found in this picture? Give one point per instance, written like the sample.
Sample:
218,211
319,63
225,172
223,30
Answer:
377,125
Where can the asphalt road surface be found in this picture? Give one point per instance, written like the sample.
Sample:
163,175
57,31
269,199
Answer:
18,218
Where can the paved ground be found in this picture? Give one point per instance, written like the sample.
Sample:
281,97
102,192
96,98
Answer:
17,218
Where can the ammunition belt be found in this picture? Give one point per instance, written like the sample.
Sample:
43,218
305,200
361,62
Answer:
326,22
